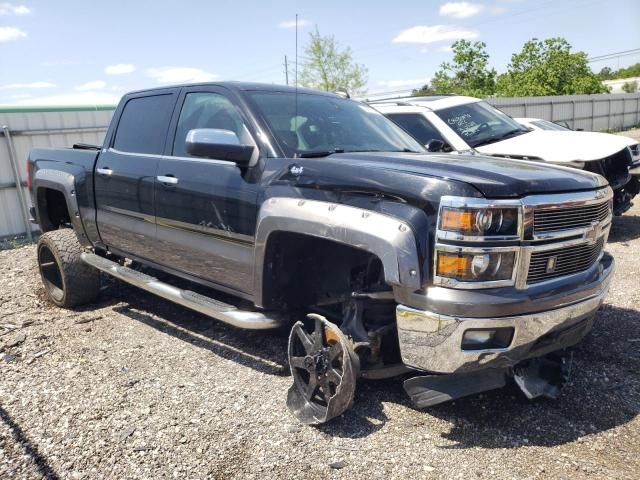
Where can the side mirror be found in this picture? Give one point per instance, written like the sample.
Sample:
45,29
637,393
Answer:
435,145
218,144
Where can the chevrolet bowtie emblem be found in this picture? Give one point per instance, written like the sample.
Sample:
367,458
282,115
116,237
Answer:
592,232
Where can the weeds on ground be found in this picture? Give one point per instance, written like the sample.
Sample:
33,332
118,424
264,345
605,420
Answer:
11,243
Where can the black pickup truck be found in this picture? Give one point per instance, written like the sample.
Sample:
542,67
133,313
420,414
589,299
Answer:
282,207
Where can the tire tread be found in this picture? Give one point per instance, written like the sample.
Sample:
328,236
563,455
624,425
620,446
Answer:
81,282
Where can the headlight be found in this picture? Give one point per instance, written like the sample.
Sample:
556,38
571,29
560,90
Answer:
480,221
475,267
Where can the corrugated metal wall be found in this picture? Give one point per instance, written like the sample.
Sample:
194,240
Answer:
589,112
45,127
51,127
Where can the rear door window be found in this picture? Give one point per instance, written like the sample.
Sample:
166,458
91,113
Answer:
417,126
143,124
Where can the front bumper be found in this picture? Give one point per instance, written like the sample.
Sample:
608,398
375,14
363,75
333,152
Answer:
433,342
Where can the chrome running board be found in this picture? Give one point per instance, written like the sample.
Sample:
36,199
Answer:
195,301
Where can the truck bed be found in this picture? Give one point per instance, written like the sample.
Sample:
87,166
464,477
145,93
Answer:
81,157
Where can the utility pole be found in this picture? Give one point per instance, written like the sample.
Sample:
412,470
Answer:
286,70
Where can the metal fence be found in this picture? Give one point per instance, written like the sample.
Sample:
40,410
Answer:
587,112
25,128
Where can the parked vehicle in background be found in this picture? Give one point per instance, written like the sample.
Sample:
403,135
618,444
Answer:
274,203
540,124
458,124
616,141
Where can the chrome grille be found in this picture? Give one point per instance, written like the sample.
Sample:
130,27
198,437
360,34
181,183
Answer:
568,260
567,218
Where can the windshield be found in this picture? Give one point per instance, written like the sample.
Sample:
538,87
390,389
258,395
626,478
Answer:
480,124
321,125
546,125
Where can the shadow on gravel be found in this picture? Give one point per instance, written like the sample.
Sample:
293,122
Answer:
264,351
367,414
247,349
30,450
625,228
603,392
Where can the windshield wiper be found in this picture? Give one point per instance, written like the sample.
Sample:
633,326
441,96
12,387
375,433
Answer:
319,153
513,133
326,153
405,150
504,136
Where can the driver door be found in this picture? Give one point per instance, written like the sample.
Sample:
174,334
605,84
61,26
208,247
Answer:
206,209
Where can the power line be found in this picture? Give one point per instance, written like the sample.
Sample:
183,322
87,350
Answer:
607,56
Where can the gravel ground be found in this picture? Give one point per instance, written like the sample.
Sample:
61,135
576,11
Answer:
135,387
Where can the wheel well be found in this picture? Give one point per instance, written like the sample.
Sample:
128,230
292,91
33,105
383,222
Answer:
52,209
301,270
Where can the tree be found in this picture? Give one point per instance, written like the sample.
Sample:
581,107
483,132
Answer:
548,67
424,90
629,72
468,74
606,73
630,87
329,68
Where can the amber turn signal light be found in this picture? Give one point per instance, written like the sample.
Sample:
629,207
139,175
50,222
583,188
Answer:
454,265
457,220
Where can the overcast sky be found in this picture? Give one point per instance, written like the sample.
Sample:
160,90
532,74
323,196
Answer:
78,51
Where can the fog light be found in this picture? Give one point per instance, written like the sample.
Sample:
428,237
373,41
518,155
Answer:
481,339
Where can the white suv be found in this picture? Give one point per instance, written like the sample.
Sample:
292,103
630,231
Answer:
454,123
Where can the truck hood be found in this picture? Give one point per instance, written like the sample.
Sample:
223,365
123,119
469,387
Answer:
560,147
493,177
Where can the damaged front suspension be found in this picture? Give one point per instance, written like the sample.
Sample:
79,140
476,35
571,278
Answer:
537,377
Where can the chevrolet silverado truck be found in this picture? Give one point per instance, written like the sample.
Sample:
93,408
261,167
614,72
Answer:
268,207
459,124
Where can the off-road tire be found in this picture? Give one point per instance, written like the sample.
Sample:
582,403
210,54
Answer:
68,281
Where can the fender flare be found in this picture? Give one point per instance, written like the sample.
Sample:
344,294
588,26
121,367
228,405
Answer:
387,237
64,183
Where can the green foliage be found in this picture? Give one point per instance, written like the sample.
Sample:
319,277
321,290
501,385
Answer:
629,72
424,90
548,67
329,68
630,87
11,243
606,73
468,74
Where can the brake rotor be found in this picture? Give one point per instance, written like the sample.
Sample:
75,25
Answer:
324,368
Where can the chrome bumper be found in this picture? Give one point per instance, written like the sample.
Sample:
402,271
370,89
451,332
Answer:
433,342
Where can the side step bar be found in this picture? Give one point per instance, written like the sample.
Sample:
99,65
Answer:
200,303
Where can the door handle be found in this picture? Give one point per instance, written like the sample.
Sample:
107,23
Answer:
167,179
104,171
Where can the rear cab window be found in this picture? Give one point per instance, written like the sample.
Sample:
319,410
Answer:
143,124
